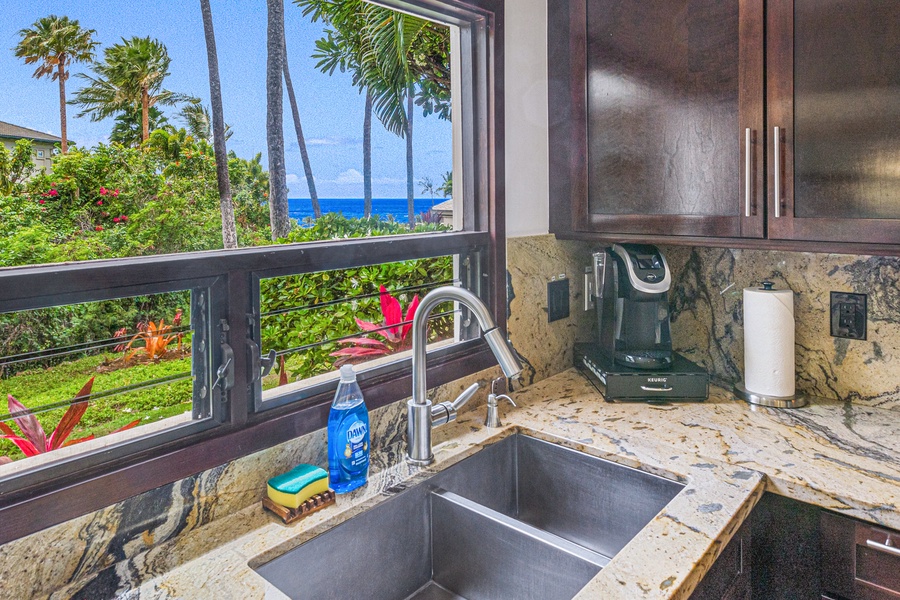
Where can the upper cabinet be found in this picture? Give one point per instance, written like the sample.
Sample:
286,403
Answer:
663,119
833,73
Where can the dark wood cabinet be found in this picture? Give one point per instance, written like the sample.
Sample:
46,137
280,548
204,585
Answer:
859,561
656,120
833,75
649,102
730,576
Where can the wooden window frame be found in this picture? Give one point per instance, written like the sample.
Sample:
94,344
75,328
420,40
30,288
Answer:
64,490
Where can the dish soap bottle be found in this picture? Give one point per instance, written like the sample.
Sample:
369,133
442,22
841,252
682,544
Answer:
348,435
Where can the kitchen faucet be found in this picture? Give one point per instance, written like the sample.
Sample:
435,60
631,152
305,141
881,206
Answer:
422,416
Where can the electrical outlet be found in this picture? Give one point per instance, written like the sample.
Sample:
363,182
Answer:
557,299
848,315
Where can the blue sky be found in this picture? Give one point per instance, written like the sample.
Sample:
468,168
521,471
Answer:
331,110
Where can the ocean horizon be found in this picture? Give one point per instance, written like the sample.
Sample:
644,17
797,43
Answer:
352,208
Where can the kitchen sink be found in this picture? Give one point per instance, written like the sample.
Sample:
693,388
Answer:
522,518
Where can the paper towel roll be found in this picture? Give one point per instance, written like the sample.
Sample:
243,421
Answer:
769,342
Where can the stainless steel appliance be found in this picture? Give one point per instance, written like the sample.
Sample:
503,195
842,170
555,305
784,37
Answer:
632,358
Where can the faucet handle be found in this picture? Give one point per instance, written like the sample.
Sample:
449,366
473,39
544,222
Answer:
465,396
445,412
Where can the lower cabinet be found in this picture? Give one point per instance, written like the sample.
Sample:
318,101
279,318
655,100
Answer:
859,561
729,577
801,552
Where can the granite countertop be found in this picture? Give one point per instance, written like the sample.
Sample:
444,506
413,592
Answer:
839,456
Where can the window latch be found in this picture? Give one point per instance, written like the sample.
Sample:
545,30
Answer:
225,372
261,365
266,363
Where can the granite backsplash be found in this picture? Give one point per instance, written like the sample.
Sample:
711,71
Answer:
707,312
707,317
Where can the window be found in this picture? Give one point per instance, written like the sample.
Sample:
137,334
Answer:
40,154
231,315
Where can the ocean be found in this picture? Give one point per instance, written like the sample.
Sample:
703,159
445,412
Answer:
301,208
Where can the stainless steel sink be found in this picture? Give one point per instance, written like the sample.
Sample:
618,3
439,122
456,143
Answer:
521,519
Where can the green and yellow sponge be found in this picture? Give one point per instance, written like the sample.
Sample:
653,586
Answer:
298,485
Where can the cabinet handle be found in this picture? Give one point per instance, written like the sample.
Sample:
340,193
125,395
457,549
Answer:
748,164
883,547
777,156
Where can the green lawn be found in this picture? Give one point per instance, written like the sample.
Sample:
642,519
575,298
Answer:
61,382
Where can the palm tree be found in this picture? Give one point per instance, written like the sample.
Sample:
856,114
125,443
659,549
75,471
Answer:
341,48
367,157
301,142
54,43
390,38
131,75
446,187
426,186
226,206
198,121
390,54
410,191
279,216
127,126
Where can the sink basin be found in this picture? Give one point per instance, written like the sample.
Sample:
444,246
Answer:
520,519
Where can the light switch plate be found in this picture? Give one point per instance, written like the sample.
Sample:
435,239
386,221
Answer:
557,299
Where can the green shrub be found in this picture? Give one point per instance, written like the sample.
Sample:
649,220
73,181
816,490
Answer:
310,326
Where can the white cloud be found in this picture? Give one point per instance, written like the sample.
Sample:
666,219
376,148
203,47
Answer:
292,178
333,141
349,177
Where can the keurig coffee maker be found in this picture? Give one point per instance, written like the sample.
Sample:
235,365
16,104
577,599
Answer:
632,359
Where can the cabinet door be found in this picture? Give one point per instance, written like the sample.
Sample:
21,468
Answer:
729,577
656,116
859,561
833,72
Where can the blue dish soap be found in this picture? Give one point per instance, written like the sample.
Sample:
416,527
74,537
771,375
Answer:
348,435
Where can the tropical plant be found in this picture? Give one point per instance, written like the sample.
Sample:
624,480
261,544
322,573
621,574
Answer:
15,166
388,53
391,41
198,121
426,186
53,43
279,216
341,48
446,187
156,339
130,77
128,126
33,440
393,330
226,206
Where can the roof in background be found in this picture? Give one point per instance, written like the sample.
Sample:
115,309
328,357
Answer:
8,130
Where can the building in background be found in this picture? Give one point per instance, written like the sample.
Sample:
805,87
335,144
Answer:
44,144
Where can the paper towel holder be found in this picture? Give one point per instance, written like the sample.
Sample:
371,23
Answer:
757,399
795,401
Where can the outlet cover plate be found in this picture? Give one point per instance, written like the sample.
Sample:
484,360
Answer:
848,315
557,299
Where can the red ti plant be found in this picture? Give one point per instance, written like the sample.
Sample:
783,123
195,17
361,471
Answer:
394,332
34,441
